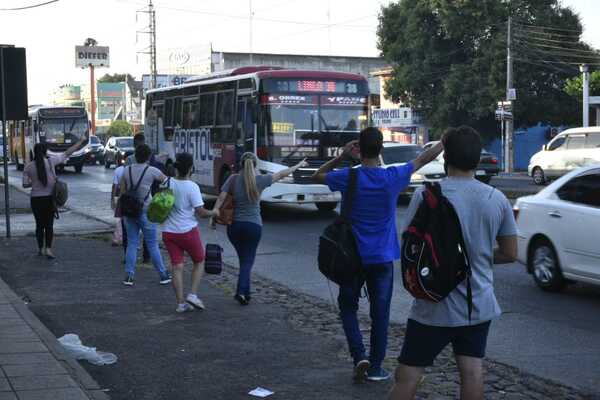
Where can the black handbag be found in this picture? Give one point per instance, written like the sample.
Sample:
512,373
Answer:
129,204
338,258
213,264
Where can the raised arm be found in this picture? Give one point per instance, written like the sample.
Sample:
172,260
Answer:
75,147
285,172
321,173
427,156
506,252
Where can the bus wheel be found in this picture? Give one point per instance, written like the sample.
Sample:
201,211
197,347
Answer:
327,207
79,168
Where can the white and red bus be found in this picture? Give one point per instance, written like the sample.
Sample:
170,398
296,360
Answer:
281,115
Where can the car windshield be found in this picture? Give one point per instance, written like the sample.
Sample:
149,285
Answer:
126,142
400,154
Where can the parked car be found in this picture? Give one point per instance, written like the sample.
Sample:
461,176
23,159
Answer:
117,150
394,154
96,151
569,150
559,229
1,146
488,164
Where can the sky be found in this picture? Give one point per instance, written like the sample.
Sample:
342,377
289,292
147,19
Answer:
50,33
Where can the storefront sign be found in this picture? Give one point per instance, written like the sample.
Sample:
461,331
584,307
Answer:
392,117
97,56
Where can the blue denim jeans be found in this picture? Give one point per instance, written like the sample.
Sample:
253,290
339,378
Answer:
380,282
244,236
133,227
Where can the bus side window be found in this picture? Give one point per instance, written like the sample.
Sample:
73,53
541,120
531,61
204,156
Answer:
168,123
177,114
225,109
207,109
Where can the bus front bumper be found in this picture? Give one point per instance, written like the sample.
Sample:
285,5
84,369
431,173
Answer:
299,194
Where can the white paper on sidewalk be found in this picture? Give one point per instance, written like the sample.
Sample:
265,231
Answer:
260,392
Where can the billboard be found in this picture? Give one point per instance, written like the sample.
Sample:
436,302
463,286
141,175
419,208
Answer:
164,80
97,56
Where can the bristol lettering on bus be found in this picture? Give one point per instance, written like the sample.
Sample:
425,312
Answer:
283,116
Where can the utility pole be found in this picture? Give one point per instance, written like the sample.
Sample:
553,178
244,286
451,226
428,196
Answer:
151,49
510,96
586,94
250,36
329,24
4,144
93,99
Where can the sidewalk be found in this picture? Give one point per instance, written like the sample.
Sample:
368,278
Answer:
32,363
23,224
284,341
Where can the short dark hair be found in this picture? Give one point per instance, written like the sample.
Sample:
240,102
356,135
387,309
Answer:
183,163
370,142
142,153
139,140
462,147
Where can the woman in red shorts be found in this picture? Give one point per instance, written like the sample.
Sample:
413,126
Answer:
181,233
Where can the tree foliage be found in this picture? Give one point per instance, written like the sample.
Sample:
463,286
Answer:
119,128
574,86
449,60
115,78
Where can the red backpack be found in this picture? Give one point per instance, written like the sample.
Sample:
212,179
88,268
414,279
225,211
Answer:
434,256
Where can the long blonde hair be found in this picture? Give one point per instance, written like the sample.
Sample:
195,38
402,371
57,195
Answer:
249,162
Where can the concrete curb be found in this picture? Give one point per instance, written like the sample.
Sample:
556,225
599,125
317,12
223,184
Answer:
77,372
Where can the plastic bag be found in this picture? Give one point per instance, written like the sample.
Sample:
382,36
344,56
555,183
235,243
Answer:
72,344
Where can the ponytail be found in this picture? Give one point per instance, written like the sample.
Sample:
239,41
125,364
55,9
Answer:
39,156
249,175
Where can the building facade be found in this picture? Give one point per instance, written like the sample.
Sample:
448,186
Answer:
397,122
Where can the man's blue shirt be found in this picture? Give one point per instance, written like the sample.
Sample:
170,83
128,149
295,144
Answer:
374,209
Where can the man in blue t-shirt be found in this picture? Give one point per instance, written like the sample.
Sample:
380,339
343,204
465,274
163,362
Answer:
374,226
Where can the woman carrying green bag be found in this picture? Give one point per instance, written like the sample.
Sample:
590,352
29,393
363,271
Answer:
181,234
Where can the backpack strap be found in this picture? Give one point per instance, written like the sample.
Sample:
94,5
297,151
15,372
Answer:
348,200
139,182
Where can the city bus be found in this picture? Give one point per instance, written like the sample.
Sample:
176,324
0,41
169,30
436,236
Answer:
58,127
283,116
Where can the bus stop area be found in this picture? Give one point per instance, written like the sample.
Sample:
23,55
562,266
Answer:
221,352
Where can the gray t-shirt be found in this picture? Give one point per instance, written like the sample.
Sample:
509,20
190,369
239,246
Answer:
246,210
484,214
151,175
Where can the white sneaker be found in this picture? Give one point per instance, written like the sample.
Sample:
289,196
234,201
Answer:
183,308
195,301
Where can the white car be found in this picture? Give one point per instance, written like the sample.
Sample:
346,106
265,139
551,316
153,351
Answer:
395,154
569,150
559,230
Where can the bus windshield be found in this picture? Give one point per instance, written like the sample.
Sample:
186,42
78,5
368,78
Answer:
63,130
290,124
344,119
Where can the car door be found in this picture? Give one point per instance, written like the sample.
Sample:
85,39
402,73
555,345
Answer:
552,161
592,148
580,217
576,154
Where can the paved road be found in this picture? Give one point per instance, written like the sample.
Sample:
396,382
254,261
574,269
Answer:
556,336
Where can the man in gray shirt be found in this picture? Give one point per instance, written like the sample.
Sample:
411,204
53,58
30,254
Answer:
486,218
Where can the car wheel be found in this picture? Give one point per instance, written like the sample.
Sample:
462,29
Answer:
106,164
545,266
538,176
326,207
79,168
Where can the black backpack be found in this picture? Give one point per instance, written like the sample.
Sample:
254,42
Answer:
434,256
339,259
129,204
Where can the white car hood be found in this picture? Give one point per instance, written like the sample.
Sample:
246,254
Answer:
434,167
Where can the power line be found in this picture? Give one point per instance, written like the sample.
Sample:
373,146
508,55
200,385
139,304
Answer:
550,28
548,34
564,50
28,7
543,40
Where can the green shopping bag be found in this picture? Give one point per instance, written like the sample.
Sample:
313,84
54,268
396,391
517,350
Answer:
161,205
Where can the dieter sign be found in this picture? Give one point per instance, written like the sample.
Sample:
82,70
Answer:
97,56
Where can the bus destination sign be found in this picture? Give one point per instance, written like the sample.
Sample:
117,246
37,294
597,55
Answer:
288,99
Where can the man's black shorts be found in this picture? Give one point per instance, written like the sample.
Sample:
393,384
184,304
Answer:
423,343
